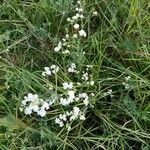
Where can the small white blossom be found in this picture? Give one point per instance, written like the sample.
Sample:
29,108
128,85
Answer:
33,104
57,120
68,19
95,13
82,33
76,111
54,69
81,16
57,49
68,45
86,102
64,39
71,95
67,35
77,9
75,17
66,52
85,76
64,101
34,107
109,92
47,71
68,128
127,78
28,111
45,106
82,117
67,86
75,35
91,83
78,2
41,112
76,26
72,68
80,10
61,124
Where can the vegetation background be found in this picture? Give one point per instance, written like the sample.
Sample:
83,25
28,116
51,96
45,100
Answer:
117,46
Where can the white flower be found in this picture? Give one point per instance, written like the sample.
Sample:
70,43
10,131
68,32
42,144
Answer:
127,78
67,86
57,49
77,9
24,102
85,76
75,17
45,106
67,35
68,19
64,44
64,101
71,94
28,111
82,117
75,35
72,68
64,39
47,71
81,16
59,44
82,33
109,92
63,117
73,117
78,2
31,96
92,94
57,120
95,13
91,83
68,128
61,124
68,45
54,69
66,52
34,107
21,109
76,26
76,111
41,112
80,10
85,98
86,102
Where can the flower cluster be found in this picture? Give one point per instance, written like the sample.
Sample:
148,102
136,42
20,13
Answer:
50,70
78,16
69,116
78,31
126,83
72,68
33,104
95,13
87,76
109,92
71,95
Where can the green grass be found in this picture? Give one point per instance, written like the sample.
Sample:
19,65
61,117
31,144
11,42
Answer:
117,46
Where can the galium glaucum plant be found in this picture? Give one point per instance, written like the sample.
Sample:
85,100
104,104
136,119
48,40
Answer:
72,97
